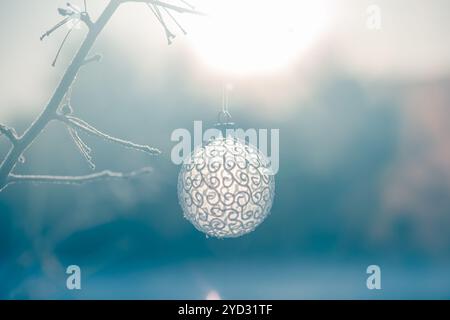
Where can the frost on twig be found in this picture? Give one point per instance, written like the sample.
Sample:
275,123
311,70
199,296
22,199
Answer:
82,147
179,9
169,35
77,180
74,124
9,133
72,16
154,7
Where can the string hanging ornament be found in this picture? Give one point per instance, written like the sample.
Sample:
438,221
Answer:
226,187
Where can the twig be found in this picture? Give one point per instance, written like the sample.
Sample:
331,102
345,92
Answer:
95,58
82,147
157,13
175,21
59,24
188,4
9,133
60,47
103,175
169,6
78,123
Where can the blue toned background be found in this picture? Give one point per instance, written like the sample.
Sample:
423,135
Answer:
364,160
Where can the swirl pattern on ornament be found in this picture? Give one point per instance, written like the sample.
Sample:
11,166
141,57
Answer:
226,188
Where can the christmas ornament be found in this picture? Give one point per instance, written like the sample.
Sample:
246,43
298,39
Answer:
226,187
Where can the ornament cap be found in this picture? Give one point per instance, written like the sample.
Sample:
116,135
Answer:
224,122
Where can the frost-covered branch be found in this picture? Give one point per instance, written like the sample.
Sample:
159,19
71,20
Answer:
77,123
9,133
50,112
154,6
169,6
103,175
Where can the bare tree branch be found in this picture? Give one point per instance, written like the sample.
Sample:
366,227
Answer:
9,133
103,175
82,147
77,123
50,112
175,21
169,35
169,6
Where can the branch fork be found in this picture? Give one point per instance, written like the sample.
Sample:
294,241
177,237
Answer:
9,133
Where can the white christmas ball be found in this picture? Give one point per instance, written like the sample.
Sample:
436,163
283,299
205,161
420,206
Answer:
226,188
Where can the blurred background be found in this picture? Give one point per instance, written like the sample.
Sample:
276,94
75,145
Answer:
364,171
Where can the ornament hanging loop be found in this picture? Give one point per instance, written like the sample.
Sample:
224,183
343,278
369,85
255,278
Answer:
224,122
224,119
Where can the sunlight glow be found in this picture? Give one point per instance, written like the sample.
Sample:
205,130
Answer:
213,295
256,36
